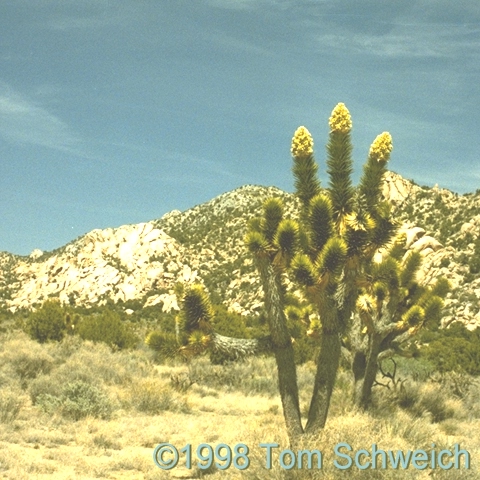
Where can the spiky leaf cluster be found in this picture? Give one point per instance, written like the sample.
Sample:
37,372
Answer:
272,216
303,270
410,268
271,234
304,166
342,227
164,343
340,168
286,237
401,304
320,221
332,257
196,313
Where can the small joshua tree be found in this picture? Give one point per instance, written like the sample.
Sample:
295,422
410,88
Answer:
391,310
195,329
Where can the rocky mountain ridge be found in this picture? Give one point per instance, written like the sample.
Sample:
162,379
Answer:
140,264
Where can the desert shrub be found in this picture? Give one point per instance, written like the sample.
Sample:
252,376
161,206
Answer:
63,350
423,399
11,402
152,397
47,323
418,369
77,400
408,395
471,400
474,265
221,358
107,328
44,385
181,382
456,384
92,363
455,349
251,376
25,359
230,324
434,401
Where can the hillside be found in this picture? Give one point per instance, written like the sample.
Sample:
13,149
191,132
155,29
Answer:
138,265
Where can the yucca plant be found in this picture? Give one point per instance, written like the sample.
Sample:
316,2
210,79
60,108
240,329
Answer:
391,310
342,227
329,251
195,329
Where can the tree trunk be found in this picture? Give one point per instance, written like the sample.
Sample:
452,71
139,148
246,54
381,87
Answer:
359,366
370,373
327,366
282,347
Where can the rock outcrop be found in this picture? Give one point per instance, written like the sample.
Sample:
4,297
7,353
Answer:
397,189
142,263
119,264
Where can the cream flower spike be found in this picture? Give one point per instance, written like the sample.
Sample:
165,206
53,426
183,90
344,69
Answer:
302,143
381,147
340,120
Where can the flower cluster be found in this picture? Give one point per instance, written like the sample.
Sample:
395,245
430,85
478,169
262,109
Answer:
381,147
340,120
302,143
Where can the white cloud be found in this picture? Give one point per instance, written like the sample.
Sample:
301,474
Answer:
92,14
407,40
24,122
249,4
229,42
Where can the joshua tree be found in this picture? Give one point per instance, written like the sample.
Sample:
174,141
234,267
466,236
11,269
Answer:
330,252
341,228
195,329
391,310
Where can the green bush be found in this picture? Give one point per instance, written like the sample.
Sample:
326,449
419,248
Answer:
231,324
47,323
77,400
474,265
107,328
455,349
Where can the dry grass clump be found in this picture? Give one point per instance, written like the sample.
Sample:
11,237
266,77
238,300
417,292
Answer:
472,399
360,431
11,402
152,396
251,376
23,359
429,400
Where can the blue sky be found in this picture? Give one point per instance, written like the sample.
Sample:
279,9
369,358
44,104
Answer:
116,112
